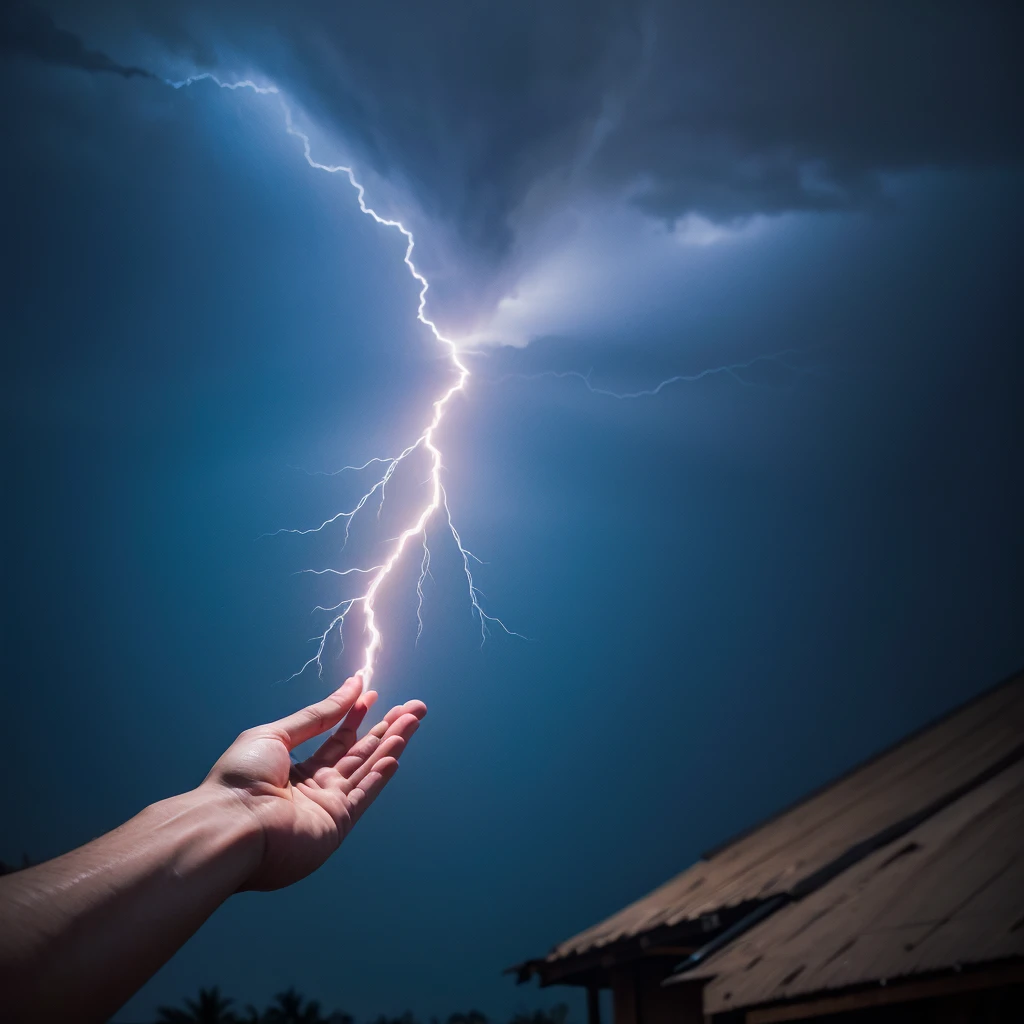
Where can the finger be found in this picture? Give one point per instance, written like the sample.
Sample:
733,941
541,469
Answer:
391,746
317,718
357,754
365,747
368,790
410,707
362,749
336,746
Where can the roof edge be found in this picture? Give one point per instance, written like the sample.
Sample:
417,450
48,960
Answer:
932,723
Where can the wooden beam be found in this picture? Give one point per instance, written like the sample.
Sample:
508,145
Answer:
624,996
593,1005
905,992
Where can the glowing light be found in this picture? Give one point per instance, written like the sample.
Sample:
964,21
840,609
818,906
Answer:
733,370
263,90
426,441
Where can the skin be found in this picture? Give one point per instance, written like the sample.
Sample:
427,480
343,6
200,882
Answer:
81,933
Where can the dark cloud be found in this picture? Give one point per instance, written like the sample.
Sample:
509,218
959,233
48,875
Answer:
775,107
723,110
717,109
494,116
28,32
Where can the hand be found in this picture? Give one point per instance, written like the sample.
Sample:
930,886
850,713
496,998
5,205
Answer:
305,810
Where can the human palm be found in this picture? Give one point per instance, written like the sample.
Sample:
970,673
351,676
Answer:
305,809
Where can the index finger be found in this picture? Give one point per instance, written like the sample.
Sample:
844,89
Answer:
337,744
317,718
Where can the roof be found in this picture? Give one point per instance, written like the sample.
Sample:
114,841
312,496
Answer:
947,894
802,847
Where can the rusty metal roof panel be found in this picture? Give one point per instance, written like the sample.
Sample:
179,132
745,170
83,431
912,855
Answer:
949,893
791,847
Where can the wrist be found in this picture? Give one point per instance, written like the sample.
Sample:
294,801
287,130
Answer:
214,834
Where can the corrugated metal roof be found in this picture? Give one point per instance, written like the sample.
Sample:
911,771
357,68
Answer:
948,893
800,843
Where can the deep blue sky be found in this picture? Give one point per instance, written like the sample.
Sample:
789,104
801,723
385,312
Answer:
733,592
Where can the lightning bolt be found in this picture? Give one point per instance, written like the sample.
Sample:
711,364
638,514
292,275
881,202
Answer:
733,370
426,442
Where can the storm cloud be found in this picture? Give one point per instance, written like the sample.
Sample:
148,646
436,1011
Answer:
492,119
721,110
28,32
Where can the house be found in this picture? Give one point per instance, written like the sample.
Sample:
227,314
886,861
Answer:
895,892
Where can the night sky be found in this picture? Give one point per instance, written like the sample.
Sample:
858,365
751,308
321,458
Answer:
733,590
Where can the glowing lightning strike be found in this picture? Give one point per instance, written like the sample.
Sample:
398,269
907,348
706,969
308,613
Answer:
426,441
733,370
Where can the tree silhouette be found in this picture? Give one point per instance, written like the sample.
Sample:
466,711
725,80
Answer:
472,1017
291,1008
210,1008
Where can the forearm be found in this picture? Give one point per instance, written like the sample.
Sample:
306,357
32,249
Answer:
79,934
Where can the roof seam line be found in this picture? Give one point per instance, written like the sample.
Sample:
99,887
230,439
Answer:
852,856
897,830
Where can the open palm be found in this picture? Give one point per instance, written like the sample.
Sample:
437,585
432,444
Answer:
305,810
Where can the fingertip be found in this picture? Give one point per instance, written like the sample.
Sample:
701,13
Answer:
349,690
416,707
406,725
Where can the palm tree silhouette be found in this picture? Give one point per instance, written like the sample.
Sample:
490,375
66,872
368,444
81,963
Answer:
292,1008
210,1008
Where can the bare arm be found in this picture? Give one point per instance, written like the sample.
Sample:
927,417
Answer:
81,933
